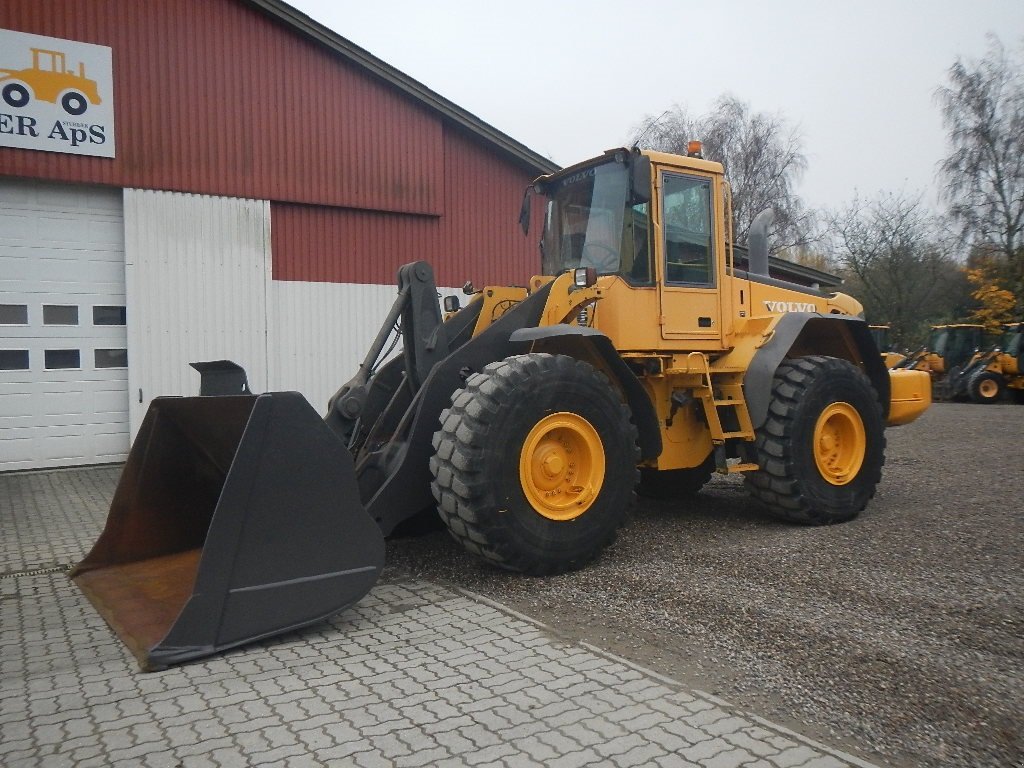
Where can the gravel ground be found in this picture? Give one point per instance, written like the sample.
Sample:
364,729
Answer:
899,635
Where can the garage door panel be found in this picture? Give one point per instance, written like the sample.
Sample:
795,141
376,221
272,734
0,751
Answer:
77,406
42,273
60,231
61,253
62,406
66,449
14,407
20,452
110,403
61,247
72,198
109,446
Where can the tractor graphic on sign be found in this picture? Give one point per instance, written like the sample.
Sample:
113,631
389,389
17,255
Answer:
48,79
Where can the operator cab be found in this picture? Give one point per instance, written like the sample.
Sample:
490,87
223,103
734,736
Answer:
598,216
656,224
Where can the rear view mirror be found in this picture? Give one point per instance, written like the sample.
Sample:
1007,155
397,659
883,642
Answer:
640,178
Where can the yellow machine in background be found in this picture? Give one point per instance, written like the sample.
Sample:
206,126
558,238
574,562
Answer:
996,371
880,333
640,356
948,347
948,350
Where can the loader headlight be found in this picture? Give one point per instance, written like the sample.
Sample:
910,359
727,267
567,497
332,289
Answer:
451,304
584,277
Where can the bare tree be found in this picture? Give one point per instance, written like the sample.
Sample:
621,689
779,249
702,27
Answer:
983,109
898,262
761,154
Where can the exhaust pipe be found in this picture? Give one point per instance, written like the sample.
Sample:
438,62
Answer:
757,242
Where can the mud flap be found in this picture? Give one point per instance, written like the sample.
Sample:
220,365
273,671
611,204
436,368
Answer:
236,518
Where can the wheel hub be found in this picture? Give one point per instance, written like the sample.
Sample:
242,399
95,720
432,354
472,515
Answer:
840,443
561,466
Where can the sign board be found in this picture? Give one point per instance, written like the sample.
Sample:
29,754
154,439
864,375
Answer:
56,95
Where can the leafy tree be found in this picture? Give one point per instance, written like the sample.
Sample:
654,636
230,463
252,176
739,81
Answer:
897,261
761,154
995,304
983,110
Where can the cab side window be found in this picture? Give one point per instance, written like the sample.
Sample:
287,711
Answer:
688,230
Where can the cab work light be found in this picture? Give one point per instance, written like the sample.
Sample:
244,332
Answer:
584,277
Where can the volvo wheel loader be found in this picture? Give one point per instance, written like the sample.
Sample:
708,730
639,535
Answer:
993,372
640,359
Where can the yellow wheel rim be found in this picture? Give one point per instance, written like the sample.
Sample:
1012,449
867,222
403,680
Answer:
561,466
988,388
839,443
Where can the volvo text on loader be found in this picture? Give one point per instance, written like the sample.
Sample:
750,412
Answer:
640,358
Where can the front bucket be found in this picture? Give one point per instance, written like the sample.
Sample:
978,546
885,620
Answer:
236,518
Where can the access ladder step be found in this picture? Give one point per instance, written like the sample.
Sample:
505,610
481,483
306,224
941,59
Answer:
731,469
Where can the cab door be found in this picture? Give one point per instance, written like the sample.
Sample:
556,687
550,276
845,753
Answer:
690,293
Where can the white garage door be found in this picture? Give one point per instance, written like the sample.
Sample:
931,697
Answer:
63,340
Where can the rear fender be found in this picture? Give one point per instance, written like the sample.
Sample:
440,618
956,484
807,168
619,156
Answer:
597,349
798,334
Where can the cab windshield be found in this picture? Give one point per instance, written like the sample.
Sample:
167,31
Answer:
590,223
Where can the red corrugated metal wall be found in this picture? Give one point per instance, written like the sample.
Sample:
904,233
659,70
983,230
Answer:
480,229
477,239
212,96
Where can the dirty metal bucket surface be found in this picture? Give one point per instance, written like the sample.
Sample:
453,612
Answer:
236,518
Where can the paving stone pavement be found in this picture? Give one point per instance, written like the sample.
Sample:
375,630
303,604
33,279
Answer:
417,674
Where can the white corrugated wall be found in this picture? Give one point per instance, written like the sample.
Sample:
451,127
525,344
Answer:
199,287
197,271
320,332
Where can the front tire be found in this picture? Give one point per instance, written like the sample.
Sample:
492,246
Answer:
535,464
822,446
985,387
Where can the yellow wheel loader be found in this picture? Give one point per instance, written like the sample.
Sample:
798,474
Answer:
948,350
640,359
994,372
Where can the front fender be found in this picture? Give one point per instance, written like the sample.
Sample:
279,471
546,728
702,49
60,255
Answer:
593,346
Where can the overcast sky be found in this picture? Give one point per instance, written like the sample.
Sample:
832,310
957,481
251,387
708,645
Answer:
571,79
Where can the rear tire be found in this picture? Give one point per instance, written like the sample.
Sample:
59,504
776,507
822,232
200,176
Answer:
822,446
535,464
672,484
985,387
